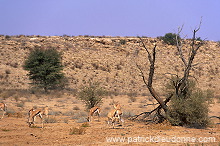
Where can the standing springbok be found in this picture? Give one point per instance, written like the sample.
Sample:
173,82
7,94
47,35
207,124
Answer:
33,113
115,114
92,111
3,107
118,114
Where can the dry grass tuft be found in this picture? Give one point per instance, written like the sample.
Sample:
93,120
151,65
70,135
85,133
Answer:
76,108
50,120
86,124
77,131
5,130
161,126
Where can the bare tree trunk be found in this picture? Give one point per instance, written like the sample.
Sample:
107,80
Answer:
152,59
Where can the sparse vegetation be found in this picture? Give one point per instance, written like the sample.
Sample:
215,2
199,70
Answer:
79,114
5,130
122,42
81,120
128,114
122,80
132,99
20,104
10,112
7,93
7,71
218,43
76,108
86,124
91,95
77,131
50,120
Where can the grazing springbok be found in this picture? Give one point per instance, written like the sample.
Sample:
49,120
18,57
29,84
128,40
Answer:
118,113
92,111
33,113
3,107
115,114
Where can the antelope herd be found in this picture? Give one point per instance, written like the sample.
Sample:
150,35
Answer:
115,115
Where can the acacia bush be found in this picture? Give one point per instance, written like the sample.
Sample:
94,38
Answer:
190,109
170,38
45,68
91,95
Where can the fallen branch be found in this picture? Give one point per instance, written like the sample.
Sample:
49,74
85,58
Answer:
151,104
156,109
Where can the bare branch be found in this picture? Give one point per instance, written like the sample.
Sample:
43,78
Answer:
194,36
149,55
200,23
182,85
179,46
180,29
142,74
151,104
193,65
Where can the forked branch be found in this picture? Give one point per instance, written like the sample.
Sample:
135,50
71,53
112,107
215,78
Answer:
182,85
151,58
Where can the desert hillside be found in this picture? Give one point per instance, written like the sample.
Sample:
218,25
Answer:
112,62
108,60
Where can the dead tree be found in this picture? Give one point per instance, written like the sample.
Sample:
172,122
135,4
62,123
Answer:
149,84
181,85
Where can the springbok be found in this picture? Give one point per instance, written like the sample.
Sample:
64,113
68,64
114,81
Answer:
3,107
92,111
118,114
33,113
115,114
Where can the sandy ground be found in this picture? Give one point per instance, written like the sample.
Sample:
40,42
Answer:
14,129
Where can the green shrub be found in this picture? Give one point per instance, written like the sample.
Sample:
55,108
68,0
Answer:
190,109
45,68
122,42
199,39
218,43
170,38
91,95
